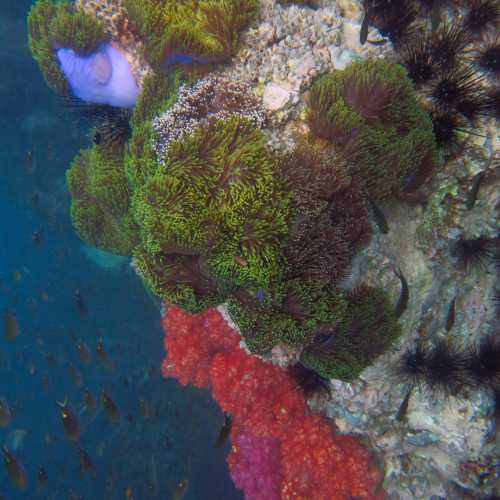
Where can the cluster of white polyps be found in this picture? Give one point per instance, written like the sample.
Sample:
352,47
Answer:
213,98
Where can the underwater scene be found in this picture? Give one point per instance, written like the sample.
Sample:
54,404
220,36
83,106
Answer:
250,249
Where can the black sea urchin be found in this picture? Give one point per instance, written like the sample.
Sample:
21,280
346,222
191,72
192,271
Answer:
473,107
483,363
113,128
438,369
445,365
448,43
493,103
475,253
417,58
456,87
487,56
309,381
410,369
393,18
481,15
447,126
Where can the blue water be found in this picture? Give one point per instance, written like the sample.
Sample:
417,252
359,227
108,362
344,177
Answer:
38,282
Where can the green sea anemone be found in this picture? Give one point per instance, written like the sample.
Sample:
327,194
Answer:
370,111
330,213
209,29
290,313
180,279
159,92
100,207
217,196
367,330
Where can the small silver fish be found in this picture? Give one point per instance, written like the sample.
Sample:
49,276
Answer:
224,431
379,218
11,326
401,414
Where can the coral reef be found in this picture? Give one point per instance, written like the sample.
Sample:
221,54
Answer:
371,112
54,25
218,201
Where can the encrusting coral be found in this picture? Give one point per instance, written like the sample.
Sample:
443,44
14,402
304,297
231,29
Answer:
370,112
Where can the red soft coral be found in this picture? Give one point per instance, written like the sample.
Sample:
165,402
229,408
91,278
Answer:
262,395
189,360
321,465
280,449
